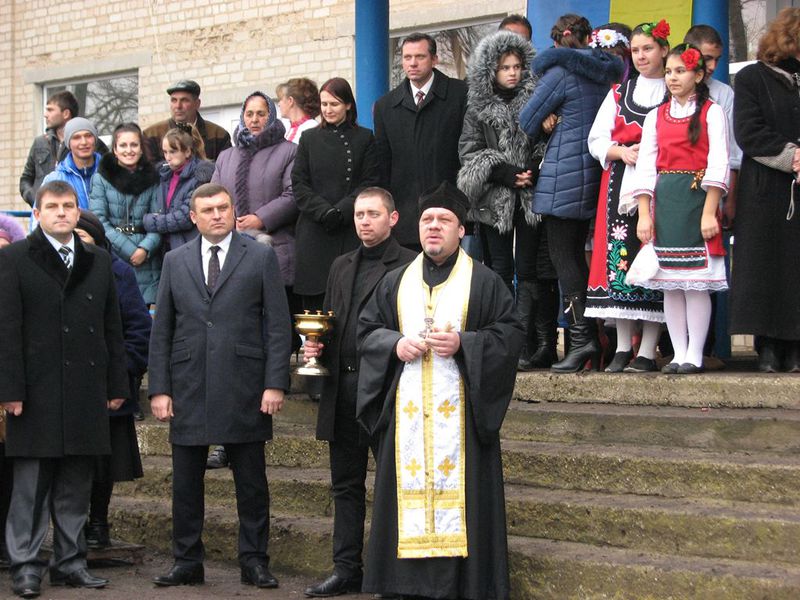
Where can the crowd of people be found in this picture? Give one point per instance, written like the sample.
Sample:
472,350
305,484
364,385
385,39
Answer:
592,180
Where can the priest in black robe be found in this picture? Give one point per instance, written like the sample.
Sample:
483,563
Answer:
447,537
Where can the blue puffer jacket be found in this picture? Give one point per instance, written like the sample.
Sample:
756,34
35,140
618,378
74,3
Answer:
572,85
120,199
79,179
175,221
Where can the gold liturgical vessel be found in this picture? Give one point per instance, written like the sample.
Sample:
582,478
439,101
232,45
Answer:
313,327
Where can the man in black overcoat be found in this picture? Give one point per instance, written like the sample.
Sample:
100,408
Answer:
352,279
219,368
417,128
63,366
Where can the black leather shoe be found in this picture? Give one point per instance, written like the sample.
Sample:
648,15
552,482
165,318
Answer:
97,534
217,458
259,576
619,362
27,586
182,575
769,355
334,586
689,369
670,369
641,364
80,578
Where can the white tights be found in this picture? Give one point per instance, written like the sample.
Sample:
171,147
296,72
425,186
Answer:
650,331
688,313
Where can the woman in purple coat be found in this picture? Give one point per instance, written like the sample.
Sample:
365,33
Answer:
257,172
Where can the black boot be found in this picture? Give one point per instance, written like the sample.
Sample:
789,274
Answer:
583,338
545,323
769,354
96,529
97,534
526,306
791,363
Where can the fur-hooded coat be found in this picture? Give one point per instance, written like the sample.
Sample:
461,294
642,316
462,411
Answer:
492,143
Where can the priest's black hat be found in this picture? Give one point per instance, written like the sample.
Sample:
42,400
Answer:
445,195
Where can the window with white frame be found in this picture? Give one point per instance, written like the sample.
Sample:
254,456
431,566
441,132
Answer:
106,101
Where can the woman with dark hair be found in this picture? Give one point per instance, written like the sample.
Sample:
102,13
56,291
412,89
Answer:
573,81
298,101
124,190
334,163
765,286
614,142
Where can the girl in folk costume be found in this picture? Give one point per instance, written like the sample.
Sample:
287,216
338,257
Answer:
614,141
682,174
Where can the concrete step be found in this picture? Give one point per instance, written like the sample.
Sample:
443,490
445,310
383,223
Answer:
654,471
685,526
731,389
709,528
297,544
738,429
554,570
296,491
293,444
542,569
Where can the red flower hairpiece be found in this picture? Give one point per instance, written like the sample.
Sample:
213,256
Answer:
661,30
691,57
658,31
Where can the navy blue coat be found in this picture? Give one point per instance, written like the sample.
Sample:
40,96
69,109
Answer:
175,221
572,84
136,325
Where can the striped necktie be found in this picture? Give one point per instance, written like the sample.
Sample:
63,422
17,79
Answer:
66,256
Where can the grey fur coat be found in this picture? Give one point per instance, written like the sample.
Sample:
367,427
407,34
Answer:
491,140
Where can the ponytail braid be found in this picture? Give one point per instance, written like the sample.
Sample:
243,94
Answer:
694,123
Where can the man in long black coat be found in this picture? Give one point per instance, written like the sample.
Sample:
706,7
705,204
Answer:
63,366
219,368
439,344
352,280
417,140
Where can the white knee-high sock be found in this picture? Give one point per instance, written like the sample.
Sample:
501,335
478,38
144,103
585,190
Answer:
650,334
675,312
698,316
625,329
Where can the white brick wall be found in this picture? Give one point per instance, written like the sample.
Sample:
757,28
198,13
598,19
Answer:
228,47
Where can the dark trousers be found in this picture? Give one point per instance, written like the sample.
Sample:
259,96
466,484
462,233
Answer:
44,489
522,251
349,453
188,502
566,239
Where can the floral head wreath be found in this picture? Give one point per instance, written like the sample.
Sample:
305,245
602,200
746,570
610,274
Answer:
658,31
608,38
691,57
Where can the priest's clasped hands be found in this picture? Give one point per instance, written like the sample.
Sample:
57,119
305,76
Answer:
443,343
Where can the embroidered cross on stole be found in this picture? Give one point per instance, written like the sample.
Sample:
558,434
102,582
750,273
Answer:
430,420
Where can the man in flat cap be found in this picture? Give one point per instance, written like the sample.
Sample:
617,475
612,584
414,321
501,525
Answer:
438,343
184,103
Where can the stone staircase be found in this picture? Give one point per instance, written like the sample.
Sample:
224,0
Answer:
617,487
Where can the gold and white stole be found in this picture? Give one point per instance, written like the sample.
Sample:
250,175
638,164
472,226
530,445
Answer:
430,420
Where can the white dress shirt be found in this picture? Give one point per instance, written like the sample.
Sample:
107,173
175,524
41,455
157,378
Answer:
57,245
425,89
205,252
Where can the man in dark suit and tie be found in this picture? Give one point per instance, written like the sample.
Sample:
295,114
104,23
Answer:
352,279
219,368
63,365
